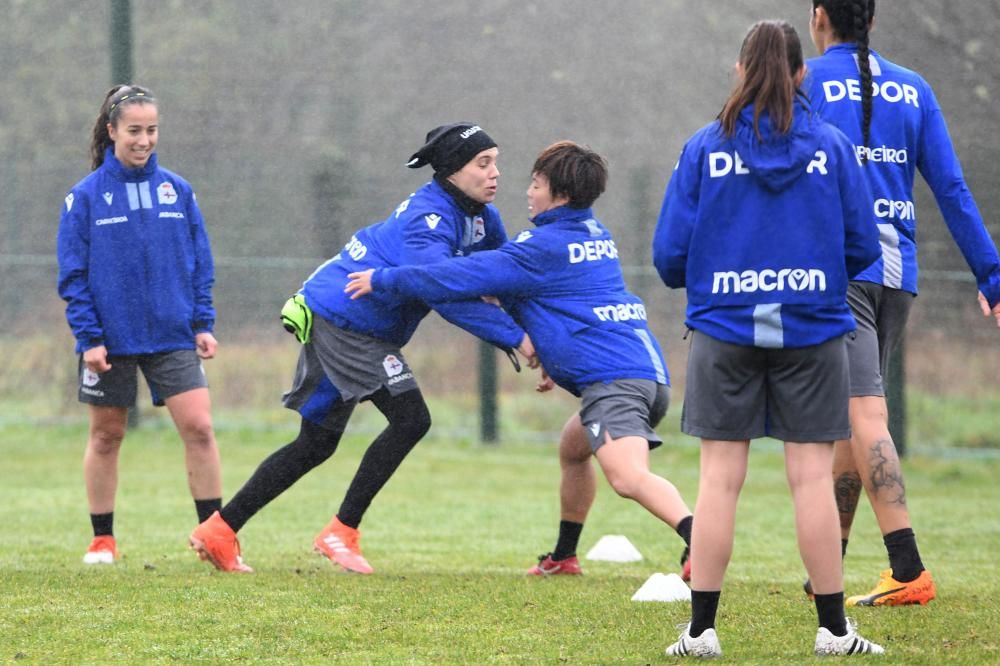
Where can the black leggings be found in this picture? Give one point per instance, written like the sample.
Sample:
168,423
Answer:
409,421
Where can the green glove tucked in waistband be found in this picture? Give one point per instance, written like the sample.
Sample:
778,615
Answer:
297,318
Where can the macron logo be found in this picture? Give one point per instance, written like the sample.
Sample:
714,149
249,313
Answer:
432,220
796,279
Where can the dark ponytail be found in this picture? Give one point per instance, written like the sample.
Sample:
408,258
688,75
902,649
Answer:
114,101
851,21
771,56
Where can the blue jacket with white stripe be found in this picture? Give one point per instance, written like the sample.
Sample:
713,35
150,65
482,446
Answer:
135,265
908,133
765,232
425,228
563,283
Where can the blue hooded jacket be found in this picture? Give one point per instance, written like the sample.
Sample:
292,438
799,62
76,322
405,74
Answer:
426,228
135,266
563,283
764,233
908,132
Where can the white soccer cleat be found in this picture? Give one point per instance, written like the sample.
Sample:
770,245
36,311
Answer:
705,646
852,643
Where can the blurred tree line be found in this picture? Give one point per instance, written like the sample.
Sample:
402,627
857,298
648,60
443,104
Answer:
293,120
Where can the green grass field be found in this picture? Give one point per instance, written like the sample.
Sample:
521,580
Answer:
450,538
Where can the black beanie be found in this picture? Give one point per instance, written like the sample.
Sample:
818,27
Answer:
450,147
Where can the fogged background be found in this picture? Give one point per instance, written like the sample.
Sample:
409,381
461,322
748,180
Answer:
293,122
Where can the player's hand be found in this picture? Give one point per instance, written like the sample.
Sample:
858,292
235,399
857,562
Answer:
206,344
360,284
492,300
545,384
527,350
984,305
96,359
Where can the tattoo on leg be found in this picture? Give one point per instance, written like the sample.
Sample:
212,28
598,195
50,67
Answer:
886,475
847,490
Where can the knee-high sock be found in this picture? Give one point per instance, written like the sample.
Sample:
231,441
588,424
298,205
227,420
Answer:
409,421
283,468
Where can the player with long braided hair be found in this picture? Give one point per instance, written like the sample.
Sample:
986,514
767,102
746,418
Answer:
893,117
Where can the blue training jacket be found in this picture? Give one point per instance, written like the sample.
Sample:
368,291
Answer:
563,283
135,266
908,132
765,233
426,228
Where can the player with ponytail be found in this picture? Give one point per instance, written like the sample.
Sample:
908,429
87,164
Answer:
896,124
763,225
136,272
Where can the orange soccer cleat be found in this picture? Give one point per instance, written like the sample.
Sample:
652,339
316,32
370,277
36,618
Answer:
102,550
339,544
215,541
890,592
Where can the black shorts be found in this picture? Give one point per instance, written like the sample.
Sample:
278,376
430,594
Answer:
736,392
881,314
167,374
623,408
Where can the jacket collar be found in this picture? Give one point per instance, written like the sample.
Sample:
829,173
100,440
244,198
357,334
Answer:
562,213
468,205
121,172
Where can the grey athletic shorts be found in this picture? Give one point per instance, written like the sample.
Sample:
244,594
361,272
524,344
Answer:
338,365
623,408
881,314
167,374
737,393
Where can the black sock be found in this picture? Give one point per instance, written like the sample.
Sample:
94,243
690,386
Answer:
830,610
409,421
569,538
283,468
684,529
103,523
904,558
704,606
206,507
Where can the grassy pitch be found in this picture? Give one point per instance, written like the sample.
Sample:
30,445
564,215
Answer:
450,538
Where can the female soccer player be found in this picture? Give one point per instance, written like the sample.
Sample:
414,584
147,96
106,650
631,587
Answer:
562,281
135,270
763,222
892,116
351,349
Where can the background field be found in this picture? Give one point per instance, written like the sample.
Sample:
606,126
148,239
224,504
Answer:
292,121
450,538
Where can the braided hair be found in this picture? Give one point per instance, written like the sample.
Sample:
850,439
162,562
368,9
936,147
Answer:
114,101
851,21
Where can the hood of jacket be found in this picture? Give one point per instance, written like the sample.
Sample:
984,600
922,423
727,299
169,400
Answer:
776,159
